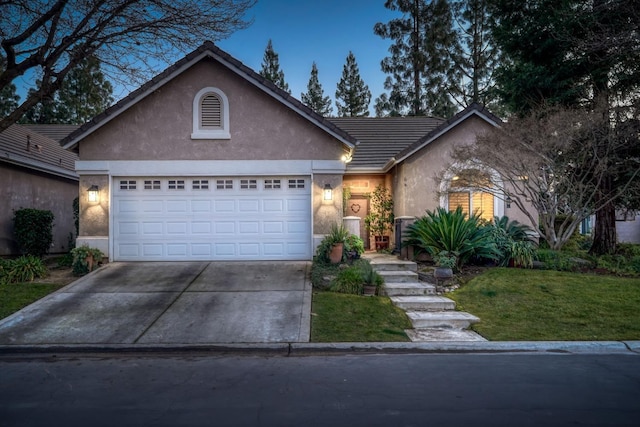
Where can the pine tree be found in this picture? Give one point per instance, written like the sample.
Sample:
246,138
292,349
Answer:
314,97
8,96
271,68
420,66
352,95
85,93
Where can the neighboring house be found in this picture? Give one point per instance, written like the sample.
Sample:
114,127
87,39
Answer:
211,161
36,172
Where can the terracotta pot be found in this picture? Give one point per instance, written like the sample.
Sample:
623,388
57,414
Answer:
89,261
335,256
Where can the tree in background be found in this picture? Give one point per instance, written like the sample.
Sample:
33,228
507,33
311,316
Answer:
8,97
352,95
84,94
48,39
475,56
420,66
314,97
271,68
582,55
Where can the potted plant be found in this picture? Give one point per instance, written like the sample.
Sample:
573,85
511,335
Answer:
371,280
446,261
336,239
85,259
353,247
380,220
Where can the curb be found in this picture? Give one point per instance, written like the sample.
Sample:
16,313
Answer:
327,349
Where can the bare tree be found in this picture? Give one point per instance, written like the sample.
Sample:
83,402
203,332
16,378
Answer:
553,161
44,40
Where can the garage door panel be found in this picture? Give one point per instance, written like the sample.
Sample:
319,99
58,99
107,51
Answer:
232,223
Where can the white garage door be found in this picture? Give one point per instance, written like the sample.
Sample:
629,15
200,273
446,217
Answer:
211,218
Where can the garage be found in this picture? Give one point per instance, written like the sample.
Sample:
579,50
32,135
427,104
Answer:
211,218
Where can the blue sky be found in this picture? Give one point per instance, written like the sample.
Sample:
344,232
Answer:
323,31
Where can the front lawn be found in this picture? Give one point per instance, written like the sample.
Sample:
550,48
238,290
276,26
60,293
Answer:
521,305
15,296
353,318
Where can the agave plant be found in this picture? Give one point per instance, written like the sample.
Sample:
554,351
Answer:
452,232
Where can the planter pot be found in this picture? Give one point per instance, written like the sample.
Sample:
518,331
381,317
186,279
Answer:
89,261
369,290
442,273
382,242
335,256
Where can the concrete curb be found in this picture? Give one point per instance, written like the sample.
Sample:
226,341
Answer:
327,349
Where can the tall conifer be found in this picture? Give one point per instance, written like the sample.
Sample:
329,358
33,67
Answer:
314,97
271,68
352,95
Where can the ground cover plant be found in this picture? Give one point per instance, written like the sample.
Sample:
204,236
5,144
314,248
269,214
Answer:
538,305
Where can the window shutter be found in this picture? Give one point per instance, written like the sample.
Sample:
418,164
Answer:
211,112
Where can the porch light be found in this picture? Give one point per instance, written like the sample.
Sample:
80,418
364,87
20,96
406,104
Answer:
509,201
93,194
328,192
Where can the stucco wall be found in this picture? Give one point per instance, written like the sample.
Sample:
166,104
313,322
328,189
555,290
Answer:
94,216
325,212
22,188
159,127
629,231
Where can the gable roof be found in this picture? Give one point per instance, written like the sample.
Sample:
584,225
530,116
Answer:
474,109
381,138
23,147
208,49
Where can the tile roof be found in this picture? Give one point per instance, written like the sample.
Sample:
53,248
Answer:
381,138
211,50
57,132
44,154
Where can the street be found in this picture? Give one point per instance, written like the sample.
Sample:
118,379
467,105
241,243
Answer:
342,390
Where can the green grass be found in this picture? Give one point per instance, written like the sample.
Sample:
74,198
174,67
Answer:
520,305
14,296
352,318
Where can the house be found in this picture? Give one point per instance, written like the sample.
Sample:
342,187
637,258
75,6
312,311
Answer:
36,172
210,161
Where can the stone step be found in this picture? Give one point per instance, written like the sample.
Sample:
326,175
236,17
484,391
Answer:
385,264
408,289
424,303
441,319
434,334
399,276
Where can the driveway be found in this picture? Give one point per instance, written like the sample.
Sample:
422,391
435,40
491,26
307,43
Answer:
172,303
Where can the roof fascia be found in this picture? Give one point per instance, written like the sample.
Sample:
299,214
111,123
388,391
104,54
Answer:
39,166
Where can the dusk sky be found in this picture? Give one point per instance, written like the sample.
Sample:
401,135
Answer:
323,31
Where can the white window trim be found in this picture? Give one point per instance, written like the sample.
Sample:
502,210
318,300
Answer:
199,133
445,187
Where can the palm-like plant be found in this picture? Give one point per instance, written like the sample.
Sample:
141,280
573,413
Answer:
513,240
443,231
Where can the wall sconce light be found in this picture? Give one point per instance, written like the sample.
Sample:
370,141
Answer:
93,193
328,192
509,201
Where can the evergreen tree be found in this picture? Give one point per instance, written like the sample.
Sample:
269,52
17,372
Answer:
352,95
314,97
580,55
271,68
420,67
476,56
8,100
85,93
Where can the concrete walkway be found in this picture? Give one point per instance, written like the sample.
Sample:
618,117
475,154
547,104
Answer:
171,303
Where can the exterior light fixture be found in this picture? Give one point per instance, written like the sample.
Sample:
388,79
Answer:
509,201
328,192
93,193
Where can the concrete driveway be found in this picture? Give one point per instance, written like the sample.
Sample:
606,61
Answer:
172,303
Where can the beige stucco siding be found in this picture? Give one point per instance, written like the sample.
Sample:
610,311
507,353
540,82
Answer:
23,188
159,127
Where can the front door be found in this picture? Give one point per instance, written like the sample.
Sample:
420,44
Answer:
358,205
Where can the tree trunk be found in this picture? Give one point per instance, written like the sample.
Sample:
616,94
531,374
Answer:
605,237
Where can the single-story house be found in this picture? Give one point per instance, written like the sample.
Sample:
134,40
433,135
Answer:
36,172
210,161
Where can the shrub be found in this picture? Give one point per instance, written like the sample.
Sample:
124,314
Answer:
81,257
349,281
513,241
354,245
452,232
23,269
34,231
338,234
563,260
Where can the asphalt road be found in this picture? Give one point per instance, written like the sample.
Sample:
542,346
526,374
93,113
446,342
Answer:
345,390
